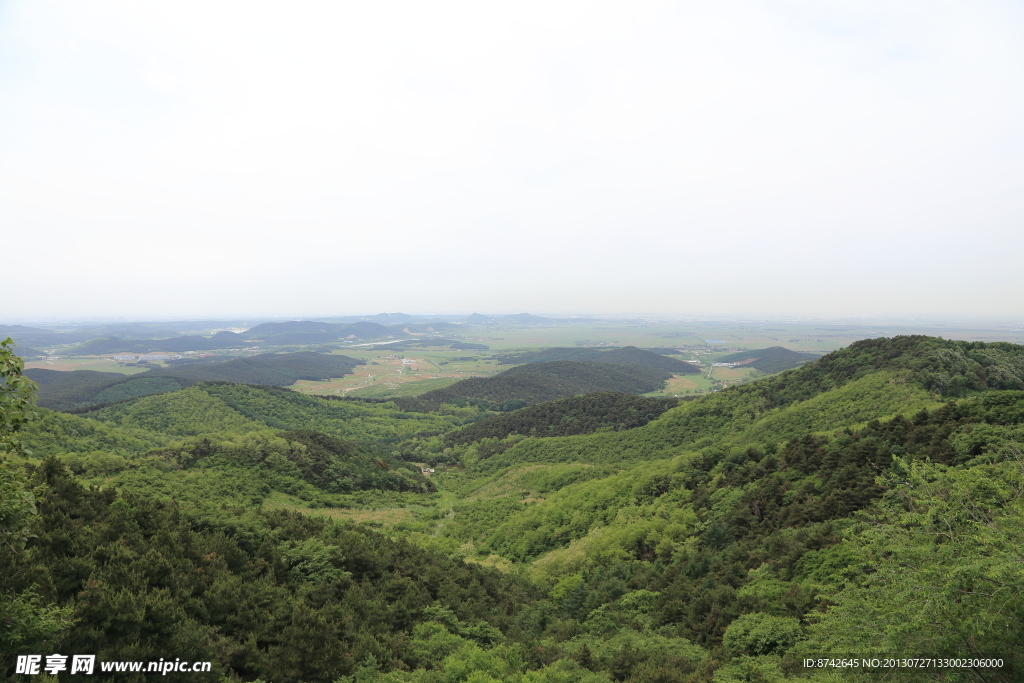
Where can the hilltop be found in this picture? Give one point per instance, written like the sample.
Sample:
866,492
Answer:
770,360
533,383
627,355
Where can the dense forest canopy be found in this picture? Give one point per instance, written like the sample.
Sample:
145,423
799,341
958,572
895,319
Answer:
867,503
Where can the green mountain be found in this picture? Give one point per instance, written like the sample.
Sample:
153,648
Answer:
219,442
627,355
868,380
533,383
733,513
868,502
68,390
212,408
260,594
770,360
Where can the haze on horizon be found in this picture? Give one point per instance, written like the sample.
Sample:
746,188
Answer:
220,160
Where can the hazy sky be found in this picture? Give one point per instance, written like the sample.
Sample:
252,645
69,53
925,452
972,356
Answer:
191,159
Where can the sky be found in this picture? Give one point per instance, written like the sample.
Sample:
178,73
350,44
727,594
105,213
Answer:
215,159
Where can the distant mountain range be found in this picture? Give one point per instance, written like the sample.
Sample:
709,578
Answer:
166,337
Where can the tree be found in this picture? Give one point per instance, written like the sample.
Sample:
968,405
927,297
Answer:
24,620
946,579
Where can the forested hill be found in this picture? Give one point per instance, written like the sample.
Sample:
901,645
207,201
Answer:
263,595
869,379
627,355
947,367
606,410
796,516
770,360
65,390
536,382
233,442
194,342
868,502
221,407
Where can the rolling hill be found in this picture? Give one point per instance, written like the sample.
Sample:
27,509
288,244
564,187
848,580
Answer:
770,360
65,390
208,408
627,355
536,382
607,410
869,501
736,510
106,345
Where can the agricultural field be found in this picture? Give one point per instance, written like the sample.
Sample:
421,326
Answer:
412,372
404,373
812,337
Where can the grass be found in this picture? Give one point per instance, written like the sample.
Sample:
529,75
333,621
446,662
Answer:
410,388
379,517
387,372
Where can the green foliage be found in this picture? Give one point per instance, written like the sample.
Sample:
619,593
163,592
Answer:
16,394
766,669
141,386
734,417
25,620
17,502
268,594
747,530
758,634
841,508
608,410
188,412
51,433
944,575
312,468
213,408
949,367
